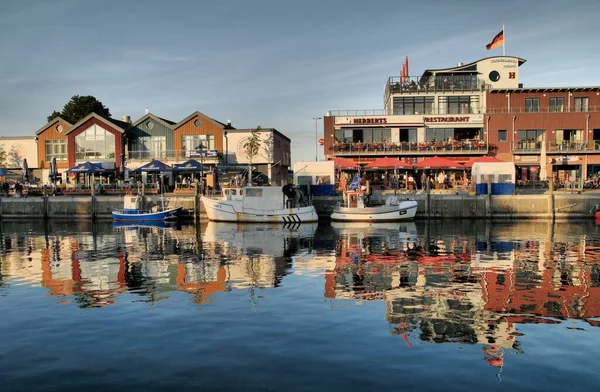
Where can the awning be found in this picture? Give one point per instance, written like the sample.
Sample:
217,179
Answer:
344,163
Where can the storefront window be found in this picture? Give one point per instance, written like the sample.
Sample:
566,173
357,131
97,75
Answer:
93,144
378,135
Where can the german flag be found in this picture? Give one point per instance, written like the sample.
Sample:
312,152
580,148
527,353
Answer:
497,41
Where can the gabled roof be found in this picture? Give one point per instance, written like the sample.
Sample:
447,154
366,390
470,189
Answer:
120,126
166,123
197,113
52,122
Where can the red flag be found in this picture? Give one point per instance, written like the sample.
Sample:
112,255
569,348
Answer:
406,66
402,74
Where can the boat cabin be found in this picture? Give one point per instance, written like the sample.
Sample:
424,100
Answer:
355,199
132,203
257,197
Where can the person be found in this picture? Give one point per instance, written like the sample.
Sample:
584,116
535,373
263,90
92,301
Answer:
184,182
440,180
453,180
423,180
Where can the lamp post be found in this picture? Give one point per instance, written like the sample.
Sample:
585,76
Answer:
201,148
226,148
316,137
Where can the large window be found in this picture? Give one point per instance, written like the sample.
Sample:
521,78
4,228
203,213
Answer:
94,143
56,148
439,134
408,135
413,105
532,105
376,135
198,142
530,139
149,147
458,104
557,104
581,104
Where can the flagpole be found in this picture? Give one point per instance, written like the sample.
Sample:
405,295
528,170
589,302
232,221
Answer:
503,41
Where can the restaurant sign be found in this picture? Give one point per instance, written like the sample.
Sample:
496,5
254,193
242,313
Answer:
369,121
446,119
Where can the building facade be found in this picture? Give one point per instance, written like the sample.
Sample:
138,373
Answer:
440,113
51,142
17,150
549,132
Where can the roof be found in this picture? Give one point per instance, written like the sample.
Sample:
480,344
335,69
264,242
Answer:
340,162
197,113
275,131
119,125
462,67
438,162
387,163
50,123
544,89
166,123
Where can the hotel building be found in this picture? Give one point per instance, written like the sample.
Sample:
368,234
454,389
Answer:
472,110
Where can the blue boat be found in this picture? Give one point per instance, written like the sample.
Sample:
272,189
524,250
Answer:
133,213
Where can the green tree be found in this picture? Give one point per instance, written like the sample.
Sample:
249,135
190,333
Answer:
2,157
80,106
252,146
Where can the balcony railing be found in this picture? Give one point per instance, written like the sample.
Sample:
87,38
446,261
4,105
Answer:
553,109
409,148
207,155
424,111
557,148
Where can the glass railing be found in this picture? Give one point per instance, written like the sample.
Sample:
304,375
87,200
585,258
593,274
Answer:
558,147
175,154
424,148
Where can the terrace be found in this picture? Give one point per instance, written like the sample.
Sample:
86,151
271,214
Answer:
457,147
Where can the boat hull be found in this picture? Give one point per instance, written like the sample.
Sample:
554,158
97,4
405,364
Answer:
139,216
226,211
406,210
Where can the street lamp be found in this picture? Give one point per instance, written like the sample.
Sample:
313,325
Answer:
316,137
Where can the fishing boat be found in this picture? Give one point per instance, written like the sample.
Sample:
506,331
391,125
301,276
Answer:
260,204
355,207
132,211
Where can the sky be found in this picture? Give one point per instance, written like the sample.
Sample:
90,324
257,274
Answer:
273,63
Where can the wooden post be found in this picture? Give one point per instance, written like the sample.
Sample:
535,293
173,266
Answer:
551,198
427,198
93,192
488,206
196,204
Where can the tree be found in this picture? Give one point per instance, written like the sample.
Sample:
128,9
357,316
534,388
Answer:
2,157
79,107
252,146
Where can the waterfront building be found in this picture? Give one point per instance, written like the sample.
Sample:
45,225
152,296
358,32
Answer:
122,146
548,132
473,110
440,113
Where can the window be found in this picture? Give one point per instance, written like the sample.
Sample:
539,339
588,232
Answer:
408,135
530,139
254,192
439,134
149,147
94,143
377,135
581,104
56,148
532,105
502,135
413,105
458,104
557,104
197,142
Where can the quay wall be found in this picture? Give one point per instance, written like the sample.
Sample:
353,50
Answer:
433,206
452,206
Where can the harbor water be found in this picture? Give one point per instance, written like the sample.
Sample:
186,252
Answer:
432,305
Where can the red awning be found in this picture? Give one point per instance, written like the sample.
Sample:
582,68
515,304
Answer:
387,163
438,163
482,159
344,163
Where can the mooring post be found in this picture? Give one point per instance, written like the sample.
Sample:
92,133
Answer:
92,187
488,207
196,204
427,198
551,199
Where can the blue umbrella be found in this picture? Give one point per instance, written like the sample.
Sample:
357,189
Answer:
188,166
87,168
7,173
153,166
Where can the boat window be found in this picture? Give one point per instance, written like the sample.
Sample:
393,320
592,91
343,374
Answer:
226,192
241,192
254,192
234,192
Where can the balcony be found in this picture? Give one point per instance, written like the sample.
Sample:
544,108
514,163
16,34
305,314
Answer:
437,84
527,147
459,147
415,112
552,109
175,155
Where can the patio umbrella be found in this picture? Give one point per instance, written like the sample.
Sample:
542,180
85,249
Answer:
387,163
87,168
188,166
153,167
543,171
8,174
25,170
438,163
486,159
344,163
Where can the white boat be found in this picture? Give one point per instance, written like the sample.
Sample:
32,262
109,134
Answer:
355,209
260,204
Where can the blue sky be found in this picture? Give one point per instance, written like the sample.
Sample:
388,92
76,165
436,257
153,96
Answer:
274,63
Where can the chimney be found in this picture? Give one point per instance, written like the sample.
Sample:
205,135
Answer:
520,85
228,123
126,119
459,64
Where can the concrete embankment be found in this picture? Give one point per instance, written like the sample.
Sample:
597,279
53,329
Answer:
453,206
80,207
434,206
